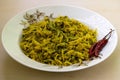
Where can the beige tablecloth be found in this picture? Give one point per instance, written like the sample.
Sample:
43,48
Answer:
107,70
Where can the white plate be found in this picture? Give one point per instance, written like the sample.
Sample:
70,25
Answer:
12,32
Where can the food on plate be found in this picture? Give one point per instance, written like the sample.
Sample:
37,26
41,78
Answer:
60,41
99,45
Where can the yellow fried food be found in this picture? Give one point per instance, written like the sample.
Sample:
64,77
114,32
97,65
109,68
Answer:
61,41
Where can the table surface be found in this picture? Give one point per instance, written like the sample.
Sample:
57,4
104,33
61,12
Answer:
107,70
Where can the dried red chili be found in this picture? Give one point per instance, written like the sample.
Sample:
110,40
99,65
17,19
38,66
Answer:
98,46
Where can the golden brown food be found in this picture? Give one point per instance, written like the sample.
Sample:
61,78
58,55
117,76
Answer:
61,41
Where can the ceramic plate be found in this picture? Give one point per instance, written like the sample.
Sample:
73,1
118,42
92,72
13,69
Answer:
12,32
